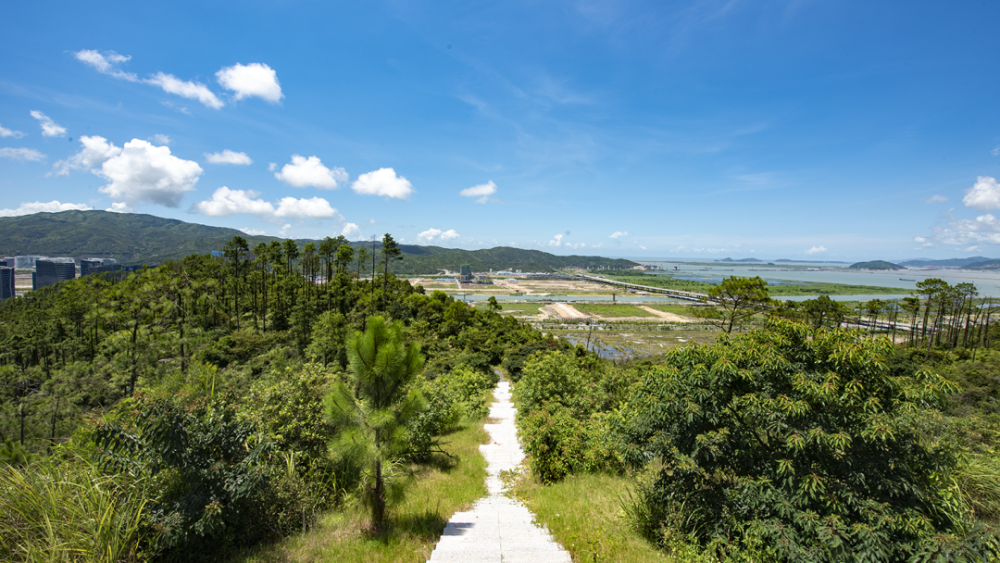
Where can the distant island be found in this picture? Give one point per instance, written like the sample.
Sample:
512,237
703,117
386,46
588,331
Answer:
947,262
875,265
989,264
727,259
811,261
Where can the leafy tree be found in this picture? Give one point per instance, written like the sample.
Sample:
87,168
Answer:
803,447
373,406
824,312
736,299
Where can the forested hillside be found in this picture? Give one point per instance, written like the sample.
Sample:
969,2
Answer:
212,408
135,239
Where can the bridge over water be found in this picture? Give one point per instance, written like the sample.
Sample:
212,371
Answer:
686,295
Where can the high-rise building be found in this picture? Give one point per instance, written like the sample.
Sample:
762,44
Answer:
6,283
96,265
52,270
466,271
27,262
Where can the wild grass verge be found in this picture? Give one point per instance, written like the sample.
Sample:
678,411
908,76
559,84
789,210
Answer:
413,527
584,514
65,510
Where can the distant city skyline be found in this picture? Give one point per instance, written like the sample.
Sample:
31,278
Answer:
703,129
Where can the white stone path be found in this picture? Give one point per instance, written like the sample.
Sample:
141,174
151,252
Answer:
498,529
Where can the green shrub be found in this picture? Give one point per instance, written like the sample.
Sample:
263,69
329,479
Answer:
804,446
556,377
205,468
555,440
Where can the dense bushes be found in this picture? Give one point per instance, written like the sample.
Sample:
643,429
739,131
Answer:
806,447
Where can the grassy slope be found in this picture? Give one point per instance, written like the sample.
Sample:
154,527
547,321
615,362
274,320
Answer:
414,526
584,515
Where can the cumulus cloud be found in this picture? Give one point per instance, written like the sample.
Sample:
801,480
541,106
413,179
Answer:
143,172
54,206
482,191
312,208
982,229
816,250
251,232
383,182
106,63
618,234
120,207
304,172
185,89
556,240
49,128
254,79
4,132
352,232
936,199
984,195
228,157
225,201
284,230
95,152
431,235
21,154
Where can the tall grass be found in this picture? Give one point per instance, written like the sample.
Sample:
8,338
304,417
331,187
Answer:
52,511
979,481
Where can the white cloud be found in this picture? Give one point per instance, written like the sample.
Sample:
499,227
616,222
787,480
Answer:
106,63
982,229
430,235
643,247
49,128
143,172
973,248
120,207
228,157
4,132
225,201
251,232
95,152
936,199
21,154
161,139
383,182
482,191
598,245
576,245
284,230
54,206
618,234
304,172
996,151
185,89
556,240
254,79
984,195
272,166
312,208
816,250
352,232
371,220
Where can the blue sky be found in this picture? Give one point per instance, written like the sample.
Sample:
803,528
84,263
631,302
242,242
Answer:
779,129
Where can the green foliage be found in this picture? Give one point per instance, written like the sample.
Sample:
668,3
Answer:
514,361
736,300
805,446
453,396
373,404
65,510
205,467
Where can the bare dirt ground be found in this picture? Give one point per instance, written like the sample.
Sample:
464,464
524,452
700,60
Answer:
672,317
567,311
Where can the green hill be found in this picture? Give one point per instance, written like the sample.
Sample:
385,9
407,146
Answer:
875,265
133,238
948,262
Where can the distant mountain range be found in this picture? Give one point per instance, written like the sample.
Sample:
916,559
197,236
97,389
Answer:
946,263
784,260
133,238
